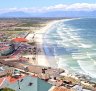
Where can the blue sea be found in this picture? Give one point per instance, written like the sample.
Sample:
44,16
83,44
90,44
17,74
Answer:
72,43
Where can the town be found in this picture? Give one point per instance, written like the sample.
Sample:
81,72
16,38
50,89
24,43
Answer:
23,65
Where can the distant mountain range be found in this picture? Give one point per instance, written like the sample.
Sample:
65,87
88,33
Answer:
50,14
15,14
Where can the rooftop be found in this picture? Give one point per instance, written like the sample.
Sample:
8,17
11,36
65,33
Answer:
59,89
20,40
28,83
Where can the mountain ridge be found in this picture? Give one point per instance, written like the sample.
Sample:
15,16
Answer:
50,14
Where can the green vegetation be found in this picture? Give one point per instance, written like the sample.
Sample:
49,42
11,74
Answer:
12,27
10,34
32,43
30,25
6,89
17,30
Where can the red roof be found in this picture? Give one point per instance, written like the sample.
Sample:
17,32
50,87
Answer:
10,79
61,89
20,40
13,80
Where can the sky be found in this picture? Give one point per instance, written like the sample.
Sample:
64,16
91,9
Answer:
38,3
46,5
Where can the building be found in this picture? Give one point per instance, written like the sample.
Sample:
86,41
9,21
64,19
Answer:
19,40
78,87
5,70
55,88
7,49
28,83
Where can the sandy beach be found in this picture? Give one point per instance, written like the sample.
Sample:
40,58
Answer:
41,58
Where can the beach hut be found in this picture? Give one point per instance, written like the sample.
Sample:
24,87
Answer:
19,40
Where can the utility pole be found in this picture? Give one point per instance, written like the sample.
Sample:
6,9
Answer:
18,84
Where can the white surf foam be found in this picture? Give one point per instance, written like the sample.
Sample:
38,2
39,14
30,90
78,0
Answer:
69,38
88,67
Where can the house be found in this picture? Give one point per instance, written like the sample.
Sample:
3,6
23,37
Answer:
4,70
28,83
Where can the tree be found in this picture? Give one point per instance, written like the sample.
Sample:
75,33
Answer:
6,89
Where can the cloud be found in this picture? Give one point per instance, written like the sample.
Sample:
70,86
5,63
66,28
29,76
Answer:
64,7
76,6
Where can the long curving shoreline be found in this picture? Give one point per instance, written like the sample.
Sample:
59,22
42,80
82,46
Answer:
42,58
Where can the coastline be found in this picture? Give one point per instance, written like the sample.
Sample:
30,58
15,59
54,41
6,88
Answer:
43,55
43,59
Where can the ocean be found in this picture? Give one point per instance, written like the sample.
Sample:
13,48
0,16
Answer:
72,43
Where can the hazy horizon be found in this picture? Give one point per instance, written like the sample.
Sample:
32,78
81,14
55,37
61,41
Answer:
57,8
46,5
